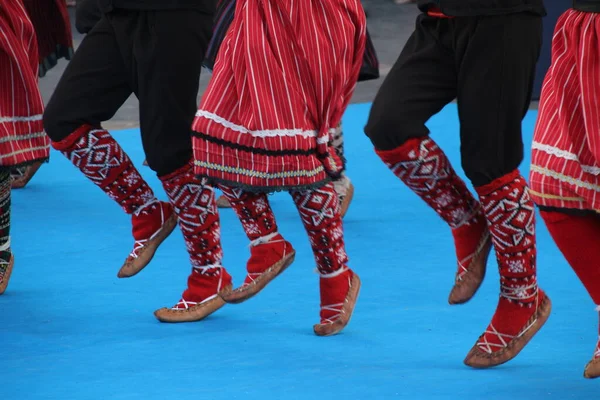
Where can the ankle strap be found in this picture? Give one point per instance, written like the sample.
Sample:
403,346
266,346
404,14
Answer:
334,273
263,239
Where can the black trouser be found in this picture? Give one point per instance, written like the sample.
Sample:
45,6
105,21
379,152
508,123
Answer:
87,15
487,64
155,54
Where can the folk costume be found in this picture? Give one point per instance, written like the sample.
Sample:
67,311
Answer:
565,162
483,53
282,80
369,70
50,20
141,47
22,138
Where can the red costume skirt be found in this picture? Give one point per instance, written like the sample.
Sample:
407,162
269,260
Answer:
282,79
224,17
51,22
22,137
565,170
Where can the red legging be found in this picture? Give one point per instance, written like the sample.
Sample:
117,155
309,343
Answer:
578,238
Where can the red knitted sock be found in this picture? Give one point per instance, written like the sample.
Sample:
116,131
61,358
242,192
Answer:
194,202
511,217
426,170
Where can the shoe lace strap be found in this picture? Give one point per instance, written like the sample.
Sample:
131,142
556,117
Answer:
139,244
266,239
336,308
186,304
488,347
333,274
203,269
503,338
183,303
520,293
465,263
146,205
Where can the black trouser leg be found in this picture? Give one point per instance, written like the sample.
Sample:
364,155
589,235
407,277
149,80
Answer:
421,82
169,61
494,90
93,86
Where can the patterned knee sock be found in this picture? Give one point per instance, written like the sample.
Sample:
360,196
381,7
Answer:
5,252
253,210
104,162
320,213
511,217
194,203
426,170
267,246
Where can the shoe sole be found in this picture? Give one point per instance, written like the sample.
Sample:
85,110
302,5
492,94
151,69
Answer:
245,292
6,276
592,369
146,253
477,358
346,313
192,314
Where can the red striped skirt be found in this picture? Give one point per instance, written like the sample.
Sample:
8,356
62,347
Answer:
51,22
565,170
284,76
224,16
22,137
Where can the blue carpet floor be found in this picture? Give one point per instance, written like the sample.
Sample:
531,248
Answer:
69,329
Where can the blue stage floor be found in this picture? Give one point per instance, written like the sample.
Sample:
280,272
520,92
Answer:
69,329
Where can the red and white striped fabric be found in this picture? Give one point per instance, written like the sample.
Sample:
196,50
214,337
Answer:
282,80
565,170
22,138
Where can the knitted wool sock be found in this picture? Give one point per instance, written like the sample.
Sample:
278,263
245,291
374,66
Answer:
320,213
100,158
194,203
267,246
426,170
511,217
